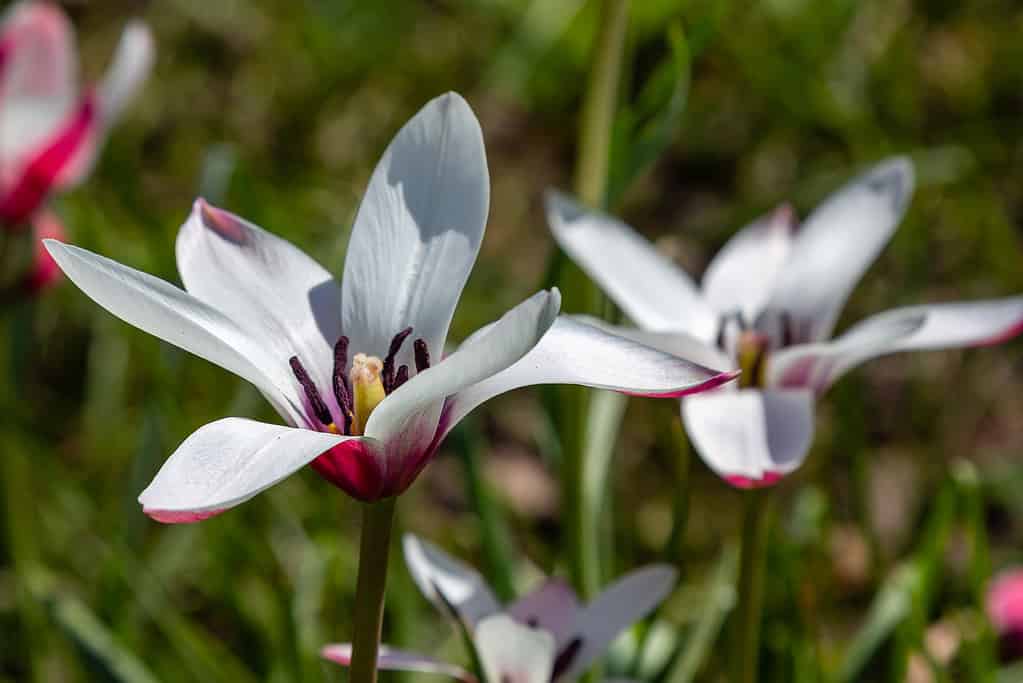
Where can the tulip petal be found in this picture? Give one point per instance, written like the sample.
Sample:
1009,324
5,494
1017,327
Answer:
623,603
750,438
924,327
742,273
129,68
512,653
163,310
448,583
406,421
573,352
553,607
393,659
836,244
950,325
418,231
38,80
29,182
654,292
267,286
818,366
227,462
678,344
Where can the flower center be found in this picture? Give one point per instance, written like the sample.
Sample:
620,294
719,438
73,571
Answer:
751,352
361,389
750,342
367,388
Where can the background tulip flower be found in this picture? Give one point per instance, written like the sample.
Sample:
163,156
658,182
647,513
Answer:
768,303
1005,610
357,372
51,128
544,636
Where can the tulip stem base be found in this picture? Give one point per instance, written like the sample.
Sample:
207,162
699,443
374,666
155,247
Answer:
374,547
755,528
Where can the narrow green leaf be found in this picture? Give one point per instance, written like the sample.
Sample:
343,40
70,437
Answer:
891,606
89,633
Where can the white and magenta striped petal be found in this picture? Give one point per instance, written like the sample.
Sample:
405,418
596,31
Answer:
573,352
393,659
751,438
227,462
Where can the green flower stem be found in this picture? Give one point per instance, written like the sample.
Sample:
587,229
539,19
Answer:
755,528
600,104
591,179
374,546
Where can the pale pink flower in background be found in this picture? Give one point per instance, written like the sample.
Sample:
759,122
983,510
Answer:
357,371
768,302
544,636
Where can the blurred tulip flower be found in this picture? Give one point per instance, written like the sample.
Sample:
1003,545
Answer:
50,128
543,637
768,303
1005,610
357,372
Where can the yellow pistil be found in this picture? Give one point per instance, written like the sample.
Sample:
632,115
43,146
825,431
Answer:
751,350
367,387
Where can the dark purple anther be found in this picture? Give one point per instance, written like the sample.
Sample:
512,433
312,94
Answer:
422,354
401,377
342,392
566,657
387,375
315,400
787,331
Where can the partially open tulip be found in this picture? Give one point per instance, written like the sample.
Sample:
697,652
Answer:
357,372
51,127
543,637
768,303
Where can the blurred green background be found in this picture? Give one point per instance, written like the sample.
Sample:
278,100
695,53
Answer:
279,110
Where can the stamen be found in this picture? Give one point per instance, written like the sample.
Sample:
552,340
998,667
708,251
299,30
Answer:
311,392
342,392
422,354
367,388
401,377
388,373
565,657
787,331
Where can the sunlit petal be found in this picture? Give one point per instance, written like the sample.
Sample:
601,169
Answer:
417,231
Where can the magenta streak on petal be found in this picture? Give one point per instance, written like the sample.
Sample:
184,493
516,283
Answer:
180,516
223,223
354,469
741,482
711,383
1003,336
42,172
